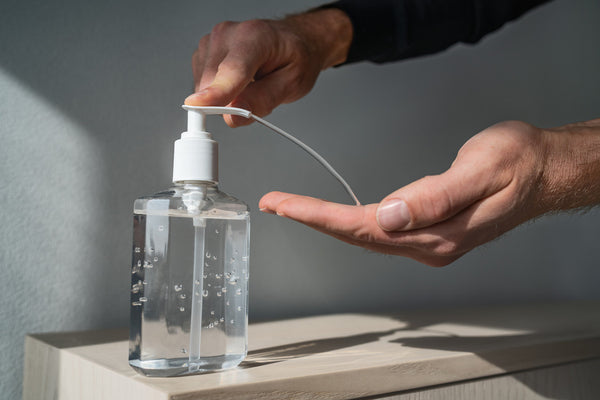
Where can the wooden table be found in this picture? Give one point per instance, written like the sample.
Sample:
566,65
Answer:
520,352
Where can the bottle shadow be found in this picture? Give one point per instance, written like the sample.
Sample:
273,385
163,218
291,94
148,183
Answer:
281,353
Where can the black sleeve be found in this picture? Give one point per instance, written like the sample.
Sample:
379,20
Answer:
390,30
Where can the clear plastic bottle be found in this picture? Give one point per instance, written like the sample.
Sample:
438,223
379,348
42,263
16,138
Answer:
189,281
189,271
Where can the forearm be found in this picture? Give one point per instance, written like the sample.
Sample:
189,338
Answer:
391,30
572,172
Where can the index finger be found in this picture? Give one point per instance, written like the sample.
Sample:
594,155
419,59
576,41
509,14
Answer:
354,223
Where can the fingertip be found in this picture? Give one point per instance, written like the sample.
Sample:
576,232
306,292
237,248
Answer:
266,203
263,204
215,94
274,202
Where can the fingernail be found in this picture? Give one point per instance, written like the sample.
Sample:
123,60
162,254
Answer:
393,215
266,210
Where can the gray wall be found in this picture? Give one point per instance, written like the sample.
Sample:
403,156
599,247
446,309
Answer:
89,108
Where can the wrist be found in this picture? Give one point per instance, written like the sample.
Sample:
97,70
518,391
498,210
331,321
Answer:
572,166
329,30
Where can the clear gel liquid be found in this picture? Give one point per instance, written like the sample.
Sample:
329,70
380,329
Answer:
189,290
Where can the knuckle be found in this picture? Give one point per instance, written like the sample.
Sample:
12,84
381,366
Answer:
253,27
222,27
363,233
202,44
512,126
364,236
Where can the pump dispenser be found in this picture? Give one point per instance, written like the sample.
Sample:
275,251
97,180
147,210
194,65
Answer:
189,285
190,259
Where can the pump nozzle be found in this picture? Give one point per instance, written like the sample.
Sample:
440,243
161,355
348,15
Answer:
197,115
197,125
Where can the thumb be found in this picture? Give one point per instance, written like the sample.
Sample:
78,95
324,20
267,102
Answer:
230,80
433,199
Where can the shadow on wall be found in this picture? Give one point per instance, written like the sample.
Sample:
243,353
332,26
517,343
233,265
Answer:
92,69
97,69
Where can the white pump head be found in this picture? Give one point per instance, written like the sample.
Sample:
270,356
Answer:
196,154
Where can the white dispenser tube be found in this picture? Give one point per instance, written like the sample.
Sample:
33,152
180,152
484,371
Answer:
197,295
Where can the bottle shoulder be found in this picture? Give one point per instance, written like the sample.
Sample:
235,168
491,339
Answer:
191,200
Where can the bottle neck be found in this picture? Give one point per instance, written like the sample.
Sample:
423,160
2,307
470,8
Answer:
193,184
194,194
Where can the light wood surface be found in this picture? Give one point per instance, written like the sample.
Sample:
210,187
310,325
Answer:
572,381
329,357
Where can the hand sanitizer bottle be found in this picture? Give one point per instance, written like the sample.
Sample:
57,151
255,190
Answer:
189,275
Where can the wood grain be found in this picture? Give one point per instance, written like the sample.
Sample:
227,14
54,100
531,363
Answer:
573,381
330,357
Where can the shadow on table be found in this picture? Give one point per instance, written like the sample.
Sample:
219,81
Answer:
531,339
276,354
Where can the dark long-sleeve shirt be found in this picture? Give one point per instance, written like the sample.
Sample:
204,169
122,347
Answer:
390,30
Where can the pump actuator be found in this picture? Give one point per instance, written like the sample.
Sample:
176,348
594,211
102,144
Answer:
196,156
